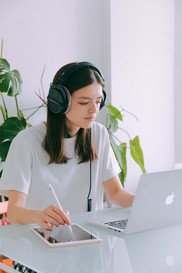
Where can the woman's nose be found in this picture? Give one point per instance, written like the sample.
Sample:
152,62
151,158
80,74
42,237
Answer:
93,108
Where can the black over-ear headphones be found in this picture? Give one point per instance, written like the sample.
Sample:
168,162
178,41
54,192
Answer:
59,97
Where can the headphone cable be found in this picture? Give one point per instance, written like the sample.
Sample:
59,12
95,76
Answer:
89,200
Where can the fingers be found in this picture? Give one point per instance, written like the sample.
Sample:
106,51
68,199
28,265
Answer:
53,216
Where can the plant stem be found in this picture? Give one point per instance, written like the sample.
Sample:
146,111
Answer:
125,132
1,53
124,110
4,110
38,108
17,107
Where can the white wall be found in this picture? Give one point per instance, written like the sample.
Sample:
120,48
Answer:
142,60
178,82
50,33
131,41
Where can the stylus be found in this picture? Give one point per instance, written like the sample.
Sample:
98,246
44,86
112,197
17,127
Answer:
57,202
55,197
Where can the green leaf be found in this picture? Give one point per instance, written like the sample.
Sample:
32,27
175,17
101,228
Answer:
16,83
11,127
121,178
8,130
1,167
122,148
4,148
116,151
115,112
10,81
113,124
4,82
4,65
120,154
137,153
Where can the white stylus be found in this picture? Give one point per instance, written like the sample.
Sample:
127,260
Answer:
55,197
58,203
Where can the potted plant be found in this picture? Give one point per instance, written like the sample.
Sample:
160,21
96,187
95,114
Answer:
113,120
10,85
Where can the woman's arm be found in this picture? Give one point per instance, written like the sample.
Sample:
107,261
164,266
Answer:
47,218
117,194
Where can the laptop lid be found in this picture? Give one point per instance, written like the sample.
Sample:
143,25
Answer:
158,201
157,204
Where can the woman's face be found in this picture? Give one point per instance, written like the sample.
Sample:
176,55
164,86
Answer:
85,104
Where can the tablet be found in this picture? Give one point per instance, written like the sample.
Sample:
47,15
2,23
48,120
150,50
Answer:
66,235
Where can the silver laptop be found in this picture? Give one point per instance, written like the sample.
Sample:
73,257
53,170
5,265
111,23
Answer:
157,204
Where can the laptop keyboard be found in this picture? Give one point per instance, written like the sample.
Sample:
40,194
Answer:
120,224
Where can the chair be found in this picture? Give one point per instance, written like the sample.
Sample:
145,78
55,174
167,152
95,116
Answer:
5,263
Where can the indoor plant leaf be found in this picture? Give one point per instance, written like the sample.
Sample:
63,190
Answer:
113,124
4,65
116,151
115,112
122,148
4,82
120,154
4,148
10,128
136,153
10,81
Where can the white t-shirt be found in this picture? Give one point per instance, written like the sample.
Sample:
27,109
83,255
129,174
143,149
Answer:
27,170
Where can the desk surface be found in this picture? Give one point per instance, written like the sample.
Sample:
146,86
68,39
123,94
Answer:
156,251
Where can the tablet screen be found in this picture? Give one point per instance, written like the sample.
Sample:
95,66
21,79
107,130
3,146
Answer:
66,234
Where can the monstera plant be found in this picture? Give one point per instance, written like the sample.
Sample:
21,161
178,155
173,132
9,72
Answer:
10,85
114,118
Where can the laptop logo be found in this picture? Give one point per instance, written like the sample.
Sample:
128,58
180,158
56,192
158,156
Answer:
170,199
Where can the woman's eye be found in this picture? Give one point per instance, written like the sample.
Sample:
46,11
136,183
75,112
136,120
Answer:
84,103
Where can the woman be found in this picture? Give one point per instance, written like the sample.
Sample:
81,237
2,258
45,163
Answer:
70,151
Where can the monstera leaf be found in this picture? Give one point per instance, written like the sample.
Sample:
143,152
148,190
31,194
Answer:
10,80
8,130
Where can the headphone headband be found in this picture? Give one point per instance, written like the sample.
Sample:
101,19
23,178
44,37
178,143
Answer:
77,67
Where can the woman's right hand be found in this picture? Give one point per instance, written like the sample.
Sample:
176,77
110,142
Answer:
47,218
53,216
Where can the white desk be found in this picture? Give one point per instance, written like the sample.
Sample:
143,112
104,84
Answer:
158,251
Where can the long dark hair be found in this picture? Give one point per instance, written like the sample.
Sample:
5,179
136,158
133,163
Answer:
56,123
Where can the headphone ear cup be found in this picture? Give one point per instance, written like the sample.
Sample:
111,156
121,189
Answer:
103,100
59,99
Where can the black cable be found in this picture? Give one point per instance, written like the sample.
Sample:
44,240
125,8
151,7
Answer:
89,200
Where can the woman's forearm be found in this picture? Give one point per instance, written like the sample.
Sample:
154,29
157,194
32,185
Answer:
22,215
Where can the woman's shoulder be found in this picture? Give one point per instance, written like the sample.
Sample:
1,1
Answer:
98,126
99,129
29,133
